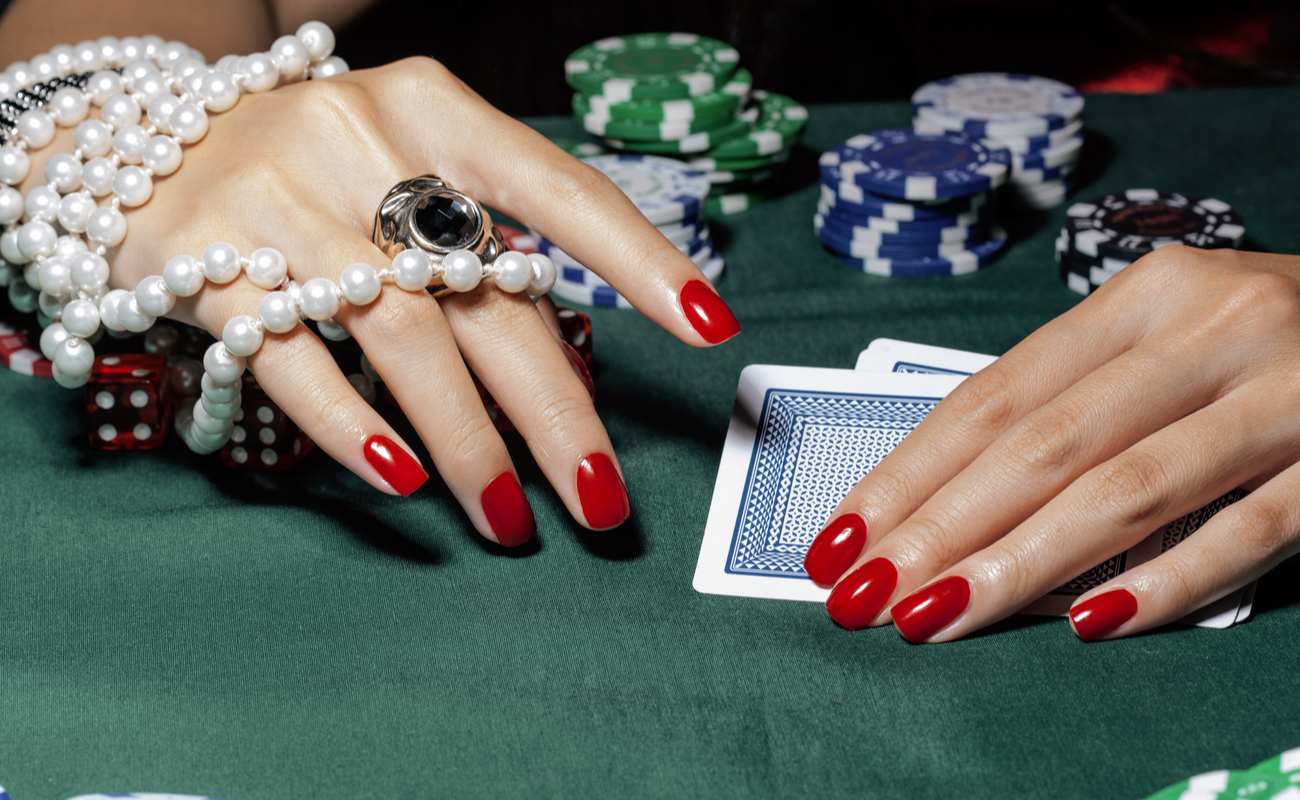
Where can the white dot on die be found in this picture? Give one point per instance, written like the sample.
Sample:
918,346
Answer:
139,398
265,415
141,372
142,431
269,457
238,455
111,360
266,435
107,432
104,399
237,434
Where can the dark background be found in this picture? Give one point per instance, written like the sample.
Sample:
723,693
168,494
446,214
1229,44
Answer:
816,51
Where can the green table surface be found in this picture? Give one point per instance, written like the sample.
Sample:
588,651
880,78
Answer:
166,625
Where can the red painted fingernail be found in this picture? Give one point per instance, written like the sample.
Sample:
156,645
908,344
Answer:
925,612
601,492
707,312
1097,616
394,465
579,367
858,599
507,510
835,549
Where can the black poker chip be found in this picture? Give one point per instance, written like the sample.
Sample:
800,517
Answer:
1130,224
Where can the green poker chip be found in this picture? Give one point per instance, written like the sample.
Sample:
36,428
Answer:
690,143
718,105
599,125
738,164
651,66
777,127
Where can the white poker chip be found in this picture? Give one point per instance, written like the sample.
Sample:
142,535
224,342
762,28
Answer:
998,104
664,190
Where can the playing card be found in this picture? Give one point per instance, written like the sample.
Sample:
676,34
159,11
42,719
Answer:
892,355
800,438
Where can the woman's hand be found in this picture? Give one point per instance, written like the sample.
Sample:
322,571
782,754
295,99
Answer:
1175,383
302,169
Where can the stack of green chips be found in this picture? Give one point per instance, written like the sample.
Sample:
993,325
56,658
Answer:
686,96
1277,778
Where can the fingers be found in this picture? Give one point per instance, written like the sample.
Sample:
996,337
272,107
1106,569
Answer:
1106,511
527,370
298,373
1237,545
507,165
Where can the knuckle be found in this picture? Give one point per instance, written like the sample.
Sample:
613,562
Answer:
1264,297
1047,441
1135,486
560,410
985,400
473,441
884,487
396,317
423,70
1180,580
928,540
577,185
1261,525
336,105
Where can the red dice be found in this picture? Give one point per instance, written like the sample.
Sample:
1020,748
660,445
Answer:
264,439
575,327
128,403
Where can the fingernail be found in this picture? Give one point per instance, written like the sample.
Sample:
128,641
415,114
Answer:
927,611
1098,616
707,312
507,510
579,367
835,549
394,465
859,598
601,492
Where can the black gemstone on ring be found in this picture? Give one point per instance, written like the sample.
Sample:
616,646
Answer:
446,221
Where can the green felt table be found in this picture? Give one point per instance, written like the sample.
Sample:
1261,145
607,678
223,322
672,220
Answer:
166,625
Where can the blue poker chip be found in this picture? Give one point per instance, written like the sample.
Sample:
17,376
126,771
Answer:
998,104
1064,154
916,166
901,236
665,191
3,794
922,227
979,256
867,248
867,204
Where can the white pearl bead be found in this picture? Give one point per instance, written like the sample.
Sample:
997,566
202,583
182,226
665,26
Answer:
110,49
136,70
291,57
221,364
462,270
219,91
187,67
109,308
317,38
69,106
412,270
68,381
103,85
266,268
42,203
12,205
85,57
36,239
133,186
49,307
129,143
131,48
260,72
228,63
173,53
207,423
21,74
97,176
221,262
9,248
329,68
161,109
89,271
36,128
121,110
162,155
359,284
333,331
81,318
150,87
44,67
106,226
93,138
320,298
152,297
74,356
242,335
219,392
279,312
513,271
217,409
55,276
132,317
14,165
64,171
183,276
51,338
544,274
32,275
8,86
69,245
189,123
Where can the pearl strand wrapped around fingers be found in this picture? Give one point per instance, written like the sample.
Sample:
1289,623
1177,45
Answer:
153,99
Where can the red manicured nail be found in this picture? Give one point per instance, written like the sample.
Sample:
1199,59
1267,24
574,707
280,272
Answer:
507,510
925,612
1097,616
835,549
394,465
858,599
601,492
707,312
579,367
